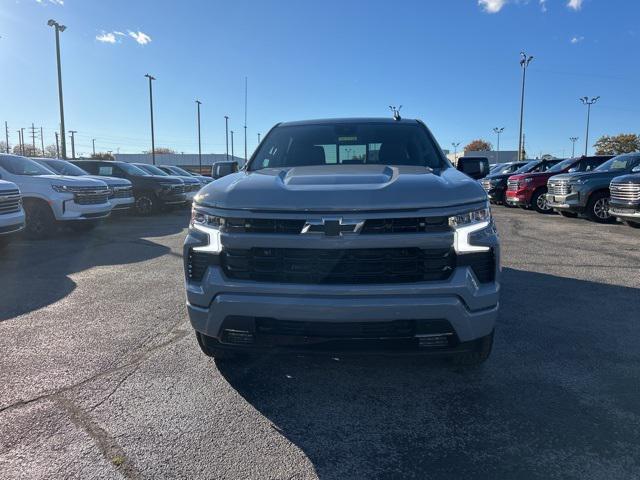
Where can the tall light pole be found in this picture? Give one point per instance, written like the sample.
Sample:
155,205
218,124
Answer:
226,133
524,63
455,146
498,131
258,138
198,103
72,133
93,143
573,146
57,146
232,154
153,140
60,28
588,102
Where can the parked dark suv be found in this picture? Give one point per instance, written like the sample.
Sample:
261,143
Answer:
587,192
151,192
495,184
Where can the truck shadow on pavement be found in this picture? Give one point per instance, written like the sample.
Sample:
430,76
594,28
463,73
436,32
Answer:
558,397
36,274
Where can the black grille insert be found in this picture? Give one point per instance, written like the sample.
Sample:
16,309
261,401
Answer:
353,266
384,329
198,262
483,265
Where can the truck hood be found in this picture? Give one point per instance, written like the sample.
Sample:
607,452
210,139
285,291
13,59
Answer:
342,188
630,178
588,175
71,181
534,175
6,186
110,181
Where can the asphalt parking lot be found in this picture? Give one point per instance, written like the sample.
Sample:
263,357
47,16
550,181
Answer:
101,376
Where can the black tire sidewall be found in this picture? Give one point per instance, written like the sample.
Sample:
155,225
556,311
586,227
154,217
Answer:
150,199
593,199
39,221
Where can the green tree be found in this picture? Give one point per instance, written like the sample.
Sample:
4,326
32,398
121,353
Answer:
161,151
617,144
102,156
478,145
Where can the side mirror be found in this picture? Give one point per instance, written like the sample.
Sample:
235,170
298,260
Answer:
475,167
222,169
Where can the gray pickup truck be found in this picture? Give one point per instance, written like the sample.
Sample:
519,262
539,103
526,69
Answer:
344,235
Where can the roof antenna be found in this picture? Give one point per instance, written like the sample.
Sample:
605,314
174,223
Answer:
396,112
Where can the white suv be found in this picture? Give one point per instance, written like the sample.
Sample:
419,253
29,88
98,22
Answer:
49,198
11,212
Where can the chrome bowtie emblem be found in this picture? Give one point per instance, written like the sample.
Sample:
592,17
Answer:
332,227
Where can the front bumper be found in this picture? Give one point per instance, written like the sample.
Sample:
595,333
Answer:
625,211
496,194
571,202
173,199
66,209
519,198
468,306
11,222
122,203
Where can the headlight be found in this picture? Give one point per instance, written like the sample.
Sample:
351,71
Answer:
467,223
60,188
167,186
210,225
579,181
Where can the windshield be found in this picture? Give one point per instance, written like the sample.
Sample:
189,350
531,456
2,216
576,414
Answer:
504,169
563,165
180,171
133,170
153,170
24,166
527,167
348,144
64,168
621,163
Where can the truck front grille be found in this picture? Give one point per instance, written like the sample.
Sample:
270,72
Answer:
559,187
90,195
371,226
10,201
513,185
625,192
295,328
486,184
121,192
351,266
193,187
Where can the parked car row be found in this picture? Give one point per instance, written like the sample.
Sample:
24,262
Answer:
602,188
38,194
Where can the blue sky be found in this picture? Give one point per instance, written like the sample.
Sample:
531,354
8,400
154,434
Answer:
452,63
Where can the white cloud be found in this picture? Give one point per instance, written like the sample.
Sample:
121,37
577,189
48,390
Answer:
492,6
55,2
106,37
122,34
543,5
140,37
574,4
576,39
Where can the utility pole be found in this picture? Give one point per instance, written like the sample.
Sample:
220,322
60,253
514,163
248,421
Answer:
588,102
573,146
22,149
93,143
60,28
455,146
226,133
498,131
245,122
73,143
57,146
198,103
258,138
524,63
33,138
6,136
153,141
42,141
20,143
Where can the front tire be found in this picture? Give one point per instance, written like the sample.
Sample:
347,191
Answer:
476,357
598,208
539,201
146,204
40,222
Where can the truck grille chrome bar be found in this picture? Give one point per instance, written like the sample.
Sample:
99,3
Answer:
625,192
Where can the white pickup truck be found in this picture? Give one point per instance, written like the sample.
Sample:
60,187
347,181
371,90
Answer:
11,212
50,199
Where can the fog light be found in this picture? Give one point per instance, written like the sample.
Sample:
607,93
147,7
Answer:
239,337
435,340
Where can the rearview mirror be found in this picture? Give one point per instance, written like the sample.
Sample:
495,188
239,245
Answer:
222,169
475,167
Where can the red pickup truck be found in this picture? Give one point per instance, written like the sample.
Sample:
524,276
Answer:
529,189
